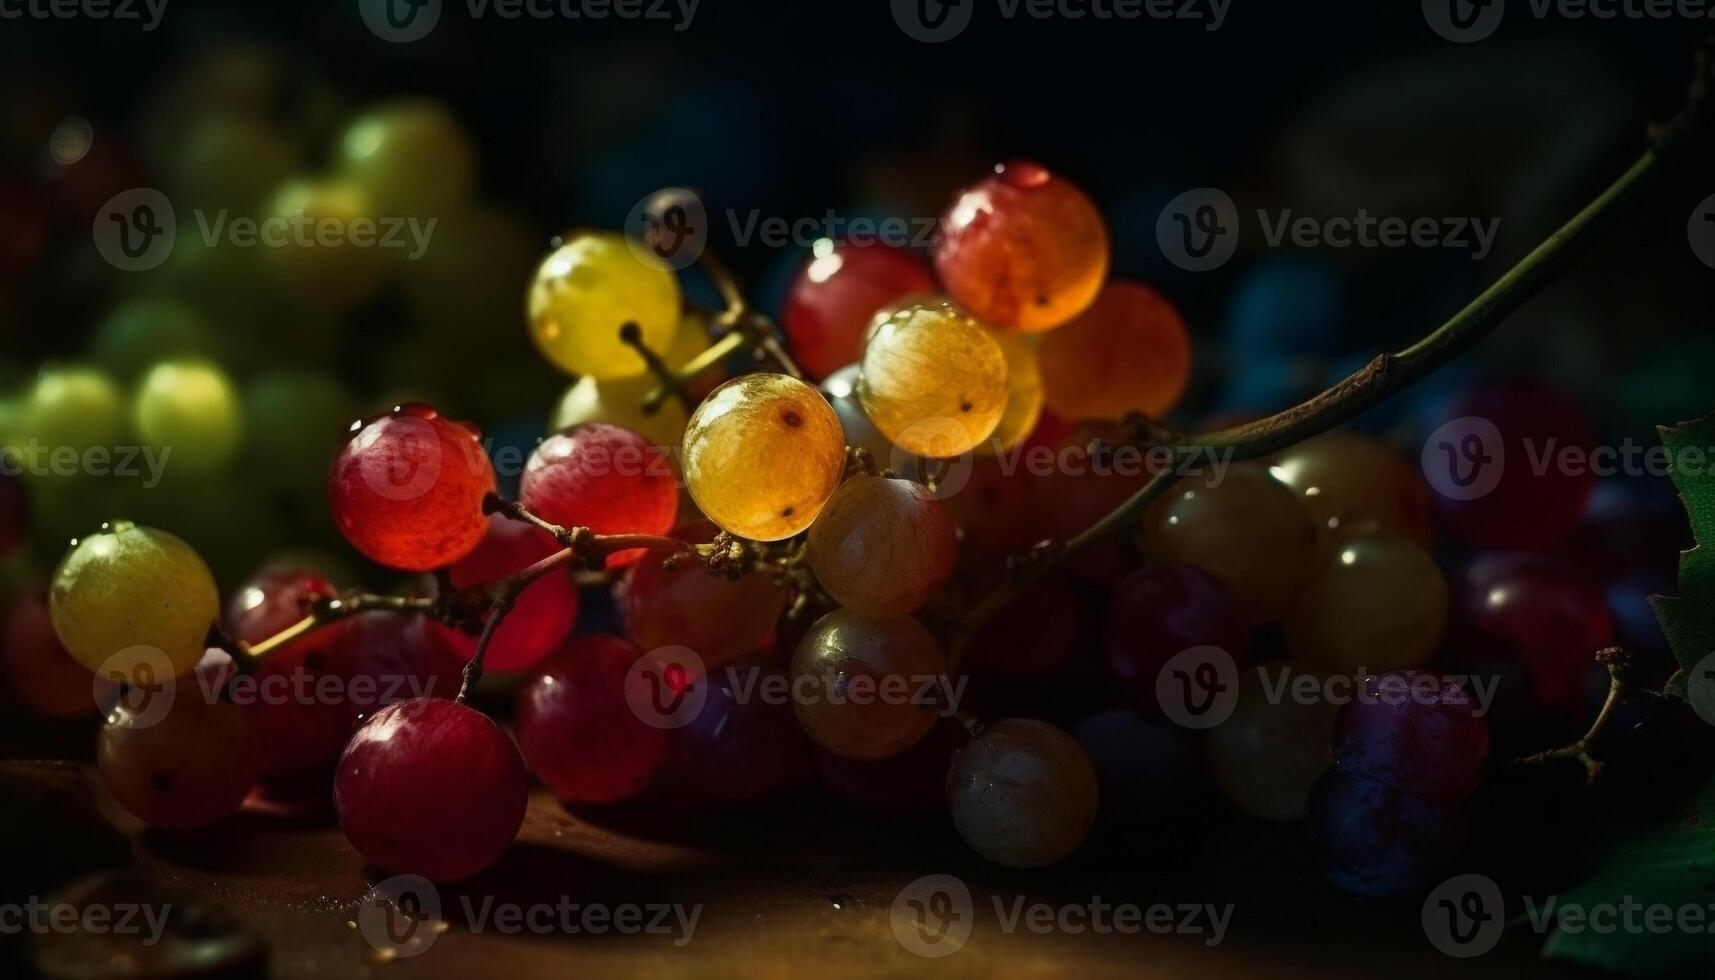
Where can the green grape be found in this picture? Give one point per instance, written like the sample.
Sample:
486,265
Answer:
189,408
135,594
1268,754
332,272
587,290
933,379
230,162
1024,395
412,156
883,546
762,455
73,406
293,423
1380,604
140,332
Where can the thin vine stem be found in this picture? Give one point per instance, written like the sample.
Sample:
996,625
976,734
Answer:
1614,659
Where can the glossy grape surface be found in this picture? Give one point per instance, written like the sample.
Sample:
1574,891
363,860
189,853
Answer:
1129,352
603,477
190,409
1161,610
578,732
1023,794
619,401
432,788
1269,753
1545,615
933,379
863,681
133,594
407,489
882,546
546,610
762,455
589,288
1023,396
721,619
1379,604
829,305
1024,249
1354,484
1416,732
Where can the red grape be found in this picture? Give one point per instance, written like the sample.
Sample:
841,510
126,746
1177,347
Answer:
1416,732
278,597
1542,613
1162,610
578,731
39,672
721,619
407,489
742,745
431,787
545,612
603,477
835,295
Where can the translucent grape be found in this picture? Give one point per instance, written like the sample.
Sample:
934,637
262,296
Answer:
1023,249
859,683
883,546
189,408
589,288
1354,484
721,619
1023,396
830,304
1248,530
1023,794
762,455
577,730
1129,352
407,489
412,157
432,788
1380,604
603,477
39,673
125,589
73,406
934,380
1269,753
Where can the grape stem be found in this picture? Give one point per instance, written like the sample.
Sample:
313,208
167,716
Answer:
1382,378
1616,661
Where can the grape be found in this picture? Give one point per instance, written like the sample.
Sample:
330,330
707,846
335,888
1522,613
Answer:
721,619
381,658
14,510
741,746
189,409
762,455
589,288
910,784
471,269
293,421
1526,509
933,379
1377,842
278,597
1022,794
619,401
73,406
432,788
1248,530
412,157
1380,604
859,683
332,273
830,304
230,162
995,512
1023,249
39,673
1268,754
1094,473
1162,610
1354,484
1149,768
882,546
1023,396
186,769
139,332
1542,613
579,733
840,388
1416,732
545,611
125,588
1032,634
1128,352
407,489
603,477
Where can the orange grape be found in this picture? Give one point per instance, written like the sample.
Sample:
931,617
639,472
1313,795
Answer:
1128,352
933,379
883,546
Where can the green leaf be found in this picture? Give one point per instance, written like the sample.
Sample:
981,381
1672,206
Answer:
1672,866
1688,620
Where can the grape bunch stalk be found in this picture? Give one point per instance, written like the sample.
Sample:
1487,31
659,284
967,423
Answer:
807,541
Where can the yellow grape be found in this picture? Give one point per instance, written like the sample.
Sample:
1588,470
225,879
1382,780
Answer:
1354,484
1380,604
190,409
1023,395
127,589
883,546
619,401
589,288
412,156
933,379
762,455
332,272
